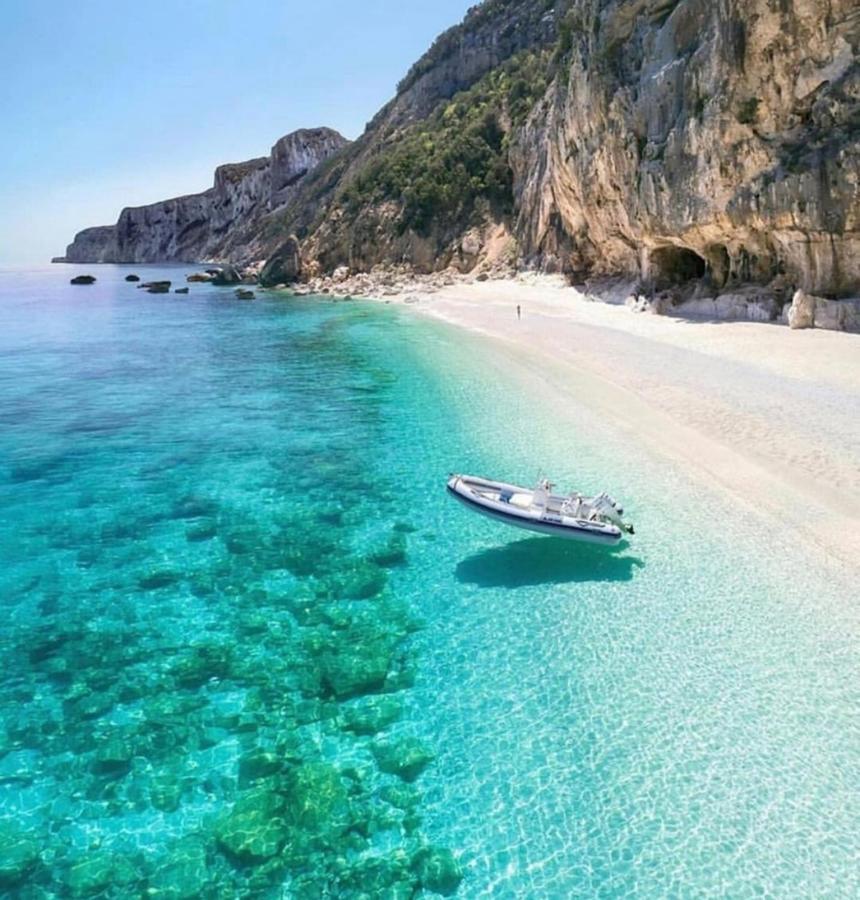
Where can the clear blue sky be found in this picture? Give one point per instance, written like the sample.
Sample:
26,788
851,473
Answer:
108,103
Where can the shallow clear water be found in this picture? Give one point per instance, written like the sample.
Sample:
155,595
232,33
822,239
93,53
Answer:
240,615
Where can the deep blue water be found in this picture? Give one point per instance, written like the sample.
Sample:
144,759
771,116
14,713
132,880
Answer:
251,649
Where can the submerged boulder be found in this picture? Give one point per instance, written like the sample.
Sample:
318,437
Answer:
181,290
372,714
437,870
254,830
259,763
99,871
19,855
406,758
183,875
245,295
353,669
317,800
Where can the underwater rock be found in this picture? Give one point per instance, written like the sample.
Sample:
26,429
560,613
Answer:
356,670
193,507
258,763
407,758
403,796
160,578
244,295
19,855
372,714
165,792
360,581
91,705
388,876
98,872
205,531
254,830
392,554
113,758
184,874
404,528
199,663
183,290
317,801
437,870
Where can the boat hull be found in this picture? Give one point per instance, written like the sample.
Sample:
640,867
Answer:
570,530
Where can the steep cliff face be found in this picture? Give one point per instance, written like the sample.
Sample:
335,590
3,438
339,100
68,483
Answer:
222,223
691,144
678,141
428,181
693,137
96,245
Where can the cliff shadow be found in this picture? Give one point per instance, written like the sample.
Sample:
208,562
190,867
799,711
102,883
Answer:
536,561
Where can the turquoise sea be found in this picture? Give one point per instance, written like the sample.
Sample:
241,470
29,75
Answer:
251,649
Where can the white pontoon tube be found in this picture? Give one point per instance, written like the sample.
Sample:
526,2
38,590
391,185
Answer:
595,520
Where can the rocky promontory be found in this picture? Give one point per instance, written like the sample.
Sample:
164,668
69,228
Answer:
222,223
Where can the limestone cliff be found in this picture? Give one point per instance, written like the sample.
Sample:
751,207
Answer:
706,142
222,223
693,145
684,137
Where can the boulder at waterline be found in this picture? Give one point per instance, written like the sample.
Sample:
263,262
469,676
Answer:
227,276
181,290
154,287
284,266
83,279
245,295
199,277
132,277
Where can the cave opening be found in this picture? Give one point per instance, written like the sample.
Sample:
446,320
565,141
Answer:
676,265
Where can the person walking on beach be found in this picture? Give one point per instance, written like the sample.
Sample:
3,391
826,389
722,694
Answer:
519,313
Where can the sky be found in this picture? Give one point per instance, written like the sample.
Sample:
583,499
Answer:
113,103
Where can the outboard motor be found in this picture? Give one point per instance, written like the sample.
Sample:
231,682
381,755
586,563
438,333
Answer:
610,510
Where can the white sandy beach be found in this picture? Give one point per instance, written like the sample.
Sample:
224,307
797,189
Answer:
770,415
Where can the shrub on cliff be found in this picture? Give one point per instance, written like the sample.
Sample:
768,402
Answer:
438,169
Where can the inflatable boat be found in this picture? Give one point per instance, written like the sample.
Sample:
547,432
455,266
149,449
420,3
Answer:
595,520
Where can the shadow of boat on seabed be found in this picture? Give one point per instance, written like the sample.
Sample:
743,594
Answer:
536,561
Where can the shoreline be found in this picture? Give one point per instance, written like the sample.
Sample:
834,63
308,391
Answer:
768,415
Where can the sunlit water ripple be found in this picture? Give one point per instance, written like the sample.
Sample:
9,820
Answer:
250,648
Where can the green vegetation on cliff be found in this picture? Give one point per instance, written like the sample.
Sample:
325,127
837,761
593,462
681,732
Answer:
438,169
